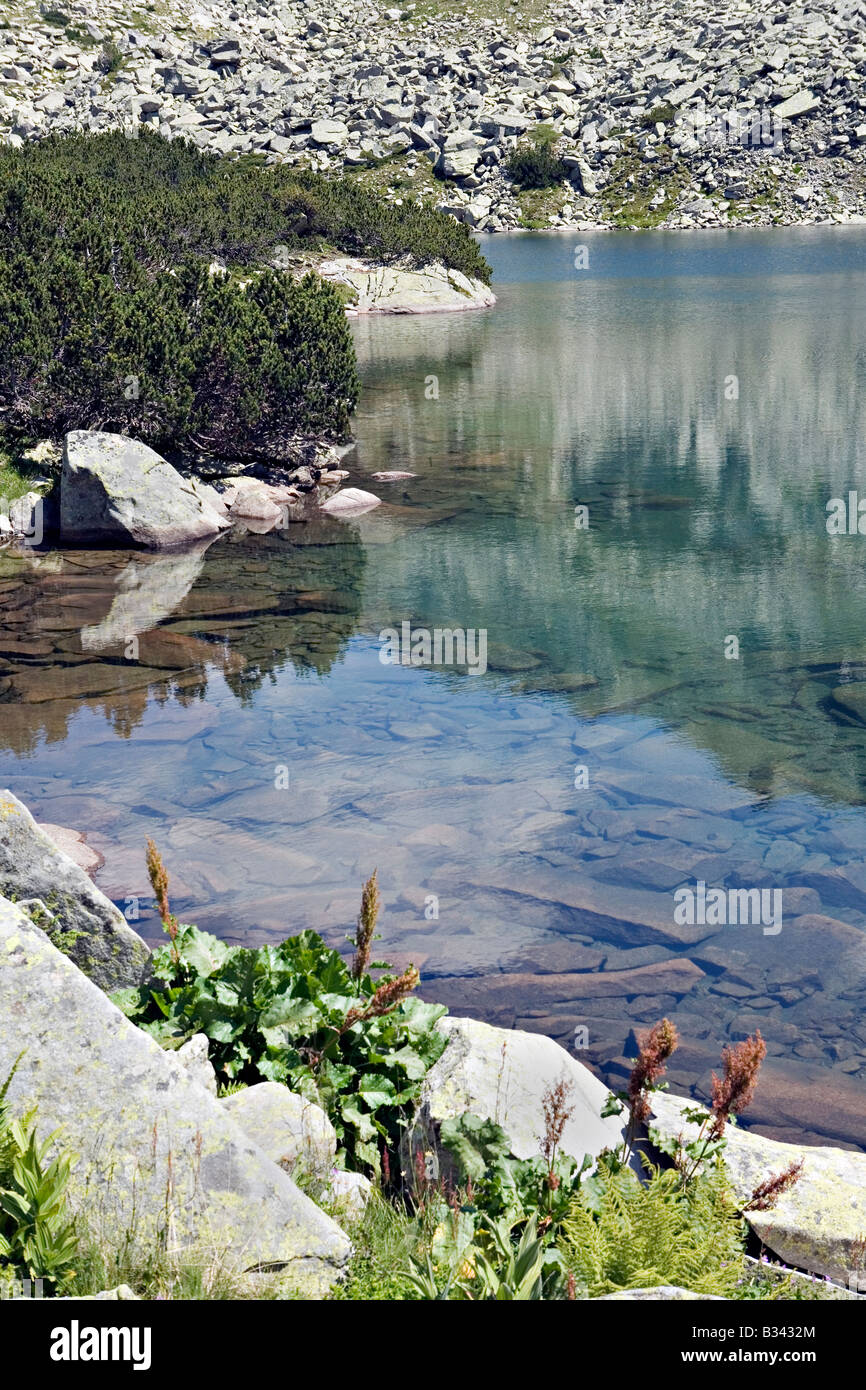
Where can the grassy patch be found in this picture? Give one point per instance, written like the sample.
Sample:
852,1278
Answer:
529,14
385,1241
538,205
104,1262
659,115
629,195
14,481
410,178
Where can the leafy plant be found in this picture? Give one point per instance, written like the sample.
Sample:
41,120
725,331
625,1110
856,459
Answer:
621,1233
519,1189
295,1013
492,1267
37,1241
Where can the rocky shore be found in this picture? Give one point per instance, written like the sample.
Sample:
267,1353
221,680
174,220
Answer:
151,1137
667,114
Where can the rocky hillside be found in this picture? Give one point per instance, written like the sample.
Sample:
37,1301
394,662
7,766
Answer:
667,113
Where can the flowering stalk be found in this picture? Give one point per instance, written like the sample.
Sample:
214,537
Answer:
732,1092
158,875
768,1192
655,1050
366,928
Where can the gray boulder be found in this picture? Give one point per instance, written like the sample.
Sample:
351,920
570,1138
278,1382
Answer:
818,1225
79,919
193,1057
503,1074
114,490
157,1160
330,132
349,1194
288,1128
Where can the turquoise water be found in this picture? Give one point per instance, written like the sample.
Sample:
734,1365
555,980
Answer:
701,397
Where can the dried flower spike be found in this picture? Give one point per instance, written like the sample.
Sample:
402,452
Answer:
158,876
733,1091
366,928
661,1040
767,1193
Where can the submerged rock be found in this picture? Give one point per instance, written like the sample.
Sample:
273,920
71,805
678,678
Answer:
156,1158
80,920
351,499
115,490
73,844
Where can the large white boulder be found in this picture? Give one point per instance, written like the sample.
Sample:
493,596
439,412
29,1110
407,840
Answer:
391,289
158,1160
503,1074
115,490
820,1223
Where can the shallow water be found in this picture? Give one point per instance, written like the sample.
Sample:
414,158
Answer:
523,896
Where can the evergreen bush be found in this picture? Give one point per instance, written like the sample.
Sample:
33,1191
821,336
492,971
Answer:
113,315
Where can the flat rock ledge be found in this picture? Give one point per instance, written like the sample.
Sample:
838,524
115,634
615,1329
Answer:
819,1224
382,289
157,1159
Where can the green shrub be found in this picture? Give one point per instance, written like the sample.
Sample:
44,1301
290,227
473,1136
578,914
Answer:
111,59
170,199
519,1189
659,115
37,1240
111,319
533,164
297,1013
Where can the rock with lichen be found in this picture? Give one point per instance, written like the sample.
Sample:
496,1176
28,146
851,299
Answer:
157,1160
57,893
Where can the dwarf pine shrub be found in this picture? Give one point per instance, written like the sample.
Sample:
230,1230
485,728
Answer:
533,163
113,315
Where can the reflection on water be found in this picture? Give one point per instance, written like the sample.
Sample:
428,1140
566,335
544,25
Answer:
701,397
